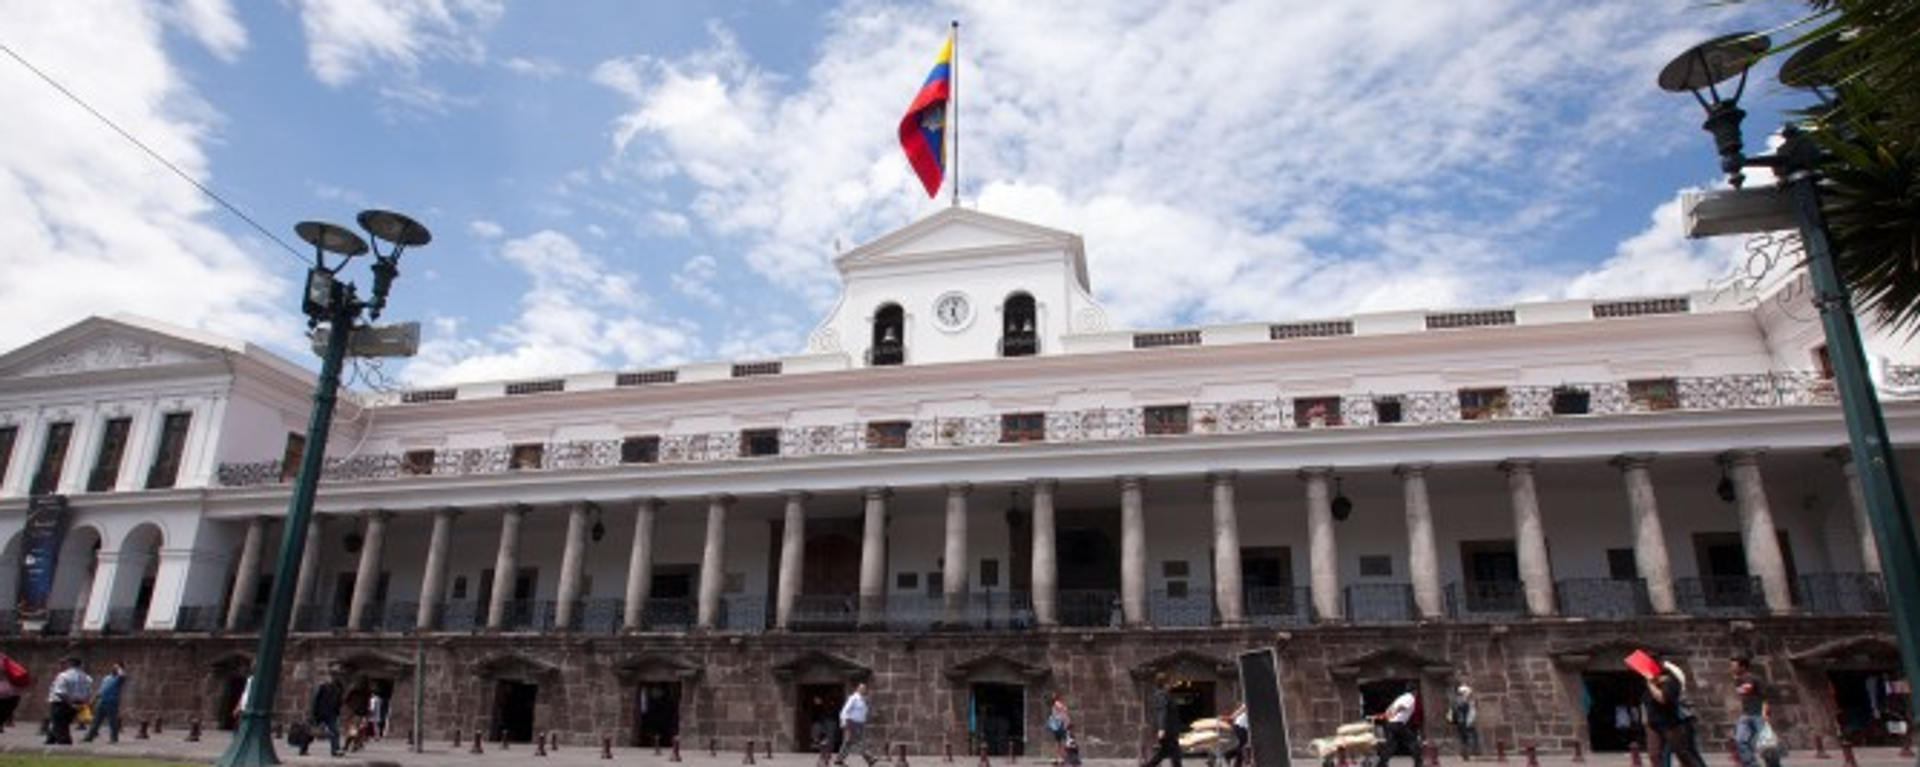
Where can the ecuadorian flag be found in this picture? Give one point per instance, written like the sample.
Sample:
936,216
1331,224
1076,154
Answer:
923,131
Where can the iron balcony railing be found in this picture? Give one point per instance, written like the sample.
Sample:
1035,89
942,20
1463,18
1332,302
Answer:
1841,593
1357,410
1279,606
1486,600
1376,603
1182,610
1602,598
1719,596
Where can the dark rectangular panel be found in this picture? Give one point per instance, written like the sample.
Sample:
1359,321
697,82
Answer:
1266,708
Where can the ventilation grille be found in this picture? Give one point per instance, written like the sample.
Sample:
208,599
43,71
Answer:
429,395
750,369
1172,338
1636,308
646,378
536,387
1448,320
1310,330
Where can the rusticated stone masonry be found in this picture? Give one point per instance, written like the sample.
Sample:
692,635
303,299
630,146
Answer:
1528,677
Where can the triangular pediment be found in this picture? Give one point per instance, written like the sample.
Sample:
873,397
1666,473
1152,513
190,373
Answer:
956,232
103,345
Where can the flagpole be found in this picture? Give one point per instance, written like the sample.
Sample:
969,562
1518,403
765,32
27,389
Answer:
953,110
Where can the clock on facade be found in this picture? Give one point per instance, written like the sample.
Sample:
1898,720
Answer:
952,311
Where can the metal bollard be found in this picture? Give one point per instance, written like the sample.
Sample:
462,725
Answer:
902,760
1906,746
1430,754
1533,757
1579,753
713,747
1846,755
749,757
143,731
553,742
503,739
540,744
984,761
946,744
676,750
1820,747
476,744
824,757
1733,752
457,740
193,730
1500,751
769,749
1633,750
656,745
606,747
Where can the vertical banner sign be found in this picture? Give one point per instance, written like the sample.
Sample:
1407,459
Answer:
46,527
1266,707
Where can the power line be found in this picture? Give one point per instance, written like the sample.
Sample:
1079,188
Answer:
215,196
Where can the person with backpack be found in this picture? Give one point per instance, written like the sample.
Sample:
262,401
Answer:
1463,713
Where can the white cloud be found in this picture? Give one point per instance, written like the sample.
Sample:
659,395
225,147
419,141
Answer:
1237,160
695,280
348,38
92,225
486,230
579,314
541,69
1661,260
212,22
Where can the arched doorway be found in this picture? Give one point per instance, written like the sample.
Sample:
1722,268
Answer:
74,569
137,564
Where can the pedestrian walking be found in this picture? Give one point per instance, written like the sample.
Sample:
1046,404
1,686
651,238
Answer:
1060,725
1751,718
14,681
1670,718
1164,719
1397,720
853,727
1464,714
71,689
324,709
106,704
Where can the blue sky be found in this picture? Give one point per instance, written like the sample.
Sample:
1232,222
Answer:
623,185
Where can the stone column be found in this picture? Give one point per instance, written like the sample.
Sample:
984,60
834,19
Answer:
1229,595
246,579
713,571
1757,533
793,557
366,582
873,558
433,581
640,565
506,564
1133,551
1649,538
1862,529
1530,535
1423,554
955,573
573,564
309,570
1323,552
1046,569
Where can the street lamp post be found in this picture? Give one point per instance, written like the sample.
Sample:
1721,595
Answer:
1796,163
338,306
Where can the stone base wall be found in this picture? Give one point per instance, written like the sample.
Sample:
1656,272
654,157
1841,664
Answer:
735,688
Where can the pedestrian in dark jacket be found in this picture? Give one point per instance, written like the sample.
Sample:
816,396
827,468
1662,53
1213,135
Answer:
324,709
1164,718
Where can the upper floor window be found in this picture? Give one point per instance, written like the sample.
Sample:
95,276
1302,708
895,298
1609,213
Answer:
417,463
291,456
756,443
1023,427
106,463
887,435
1018,337
173,446
1571,400
1481,404
1388,410
7,436
527,456
53,457
1314,412
640,449
1654,394
889,336
1168,419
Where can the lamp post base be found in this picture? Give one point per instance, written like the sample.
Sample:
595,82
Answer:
252,743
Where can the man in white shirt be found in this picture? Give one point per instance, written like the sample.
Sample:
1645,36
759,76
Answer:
70,688
853,727
1398,719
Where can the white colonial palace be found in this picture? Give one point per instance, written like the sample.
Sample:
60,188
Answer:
971,491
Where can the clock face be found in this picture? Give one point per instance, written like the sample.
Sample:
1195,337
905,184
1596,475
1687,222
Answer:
952,311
